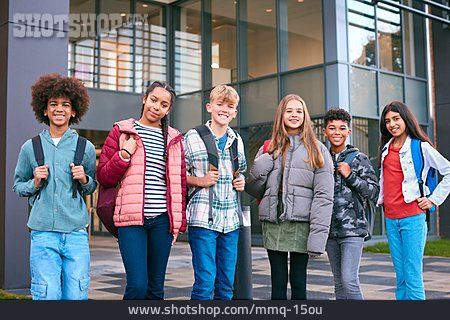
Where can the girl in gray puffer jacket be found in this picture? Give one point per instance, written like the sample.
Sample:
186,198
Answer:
294,180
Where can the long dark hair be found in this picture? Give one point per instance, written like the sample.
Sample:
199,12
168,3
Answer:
413,128
164,120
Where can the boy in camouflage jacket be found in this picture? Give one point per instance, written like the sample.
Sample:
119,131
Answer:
354,184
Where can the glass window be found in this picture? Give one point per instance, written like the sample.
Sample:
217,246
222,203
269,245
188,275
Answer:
365,136
363,89
124,56
254,137
188,47
116,49
361,32
81,50
414,26
223,66
259,101
187,112
391,88
389,37
301,34
318,125
259,37
151,46
309,85
416,98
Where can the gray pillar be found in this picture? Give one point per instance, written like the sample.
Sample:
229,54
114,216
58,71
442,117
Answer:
336,54
26,59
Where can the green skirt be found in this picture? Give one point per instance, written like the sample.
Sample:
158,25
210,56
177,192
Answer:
286,236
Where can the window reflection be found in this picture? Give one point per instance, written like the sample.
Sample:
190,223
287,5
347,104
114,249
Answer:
82,50
391,88
416,98
259,100
223,66
122,58
365,137
308,84
363,92
254,137
151,55
301,35
414,29
389,37
187,112
259,37
188,46
361,32
116,50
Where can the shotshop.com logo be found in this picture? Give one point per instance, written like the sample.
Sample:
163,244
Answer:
80,25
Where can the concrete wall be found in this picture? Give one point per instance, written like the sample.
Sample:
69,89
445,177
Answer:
26,59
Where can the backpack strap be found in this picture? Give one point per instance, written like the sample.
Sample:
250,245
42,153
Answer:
210,144
418,161
213,159
350,157
38,151
236,173
79,154
235,156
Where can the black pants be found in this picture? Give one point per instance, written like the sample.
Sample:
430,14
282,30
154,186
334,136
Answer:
279,274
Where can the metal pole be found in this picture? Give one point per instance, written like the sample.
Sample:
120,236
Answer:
243,276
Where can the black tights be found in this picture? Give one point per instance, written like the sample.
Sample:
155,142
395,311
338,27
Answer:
279,274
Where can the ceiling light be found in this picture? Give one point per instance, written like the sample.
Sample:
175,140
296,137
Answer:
268,10
145,5
123,14
300,1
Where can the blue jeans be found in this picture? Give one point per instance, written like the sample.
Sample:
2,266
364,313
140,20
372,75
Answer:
145,252
214,256
345,257
407,238
59,265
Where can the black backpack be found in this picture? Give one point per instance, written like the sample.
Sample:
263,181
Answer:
79,154
370,208
213,159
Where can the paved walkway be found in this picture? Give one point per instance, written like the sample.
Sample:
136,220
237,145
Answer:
376,274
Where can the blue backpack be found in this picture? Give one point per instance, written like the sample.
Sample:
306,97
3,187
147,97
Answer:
432,179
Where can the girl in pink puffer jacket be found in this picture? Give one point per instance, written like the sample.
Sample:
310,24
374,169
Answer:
145,158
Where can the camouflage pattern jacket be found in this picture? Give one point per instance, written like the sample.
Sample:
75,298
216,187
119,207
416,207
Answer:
348,219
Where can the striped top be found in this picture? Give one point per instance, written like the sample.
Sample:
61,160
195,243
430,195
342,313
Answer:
155,170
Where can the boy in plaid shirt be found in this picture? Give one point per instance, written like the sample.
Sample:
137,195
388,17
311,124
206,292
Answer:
214,242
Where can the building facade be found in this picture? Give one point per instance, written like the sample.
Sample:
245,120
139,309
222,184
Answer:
354,54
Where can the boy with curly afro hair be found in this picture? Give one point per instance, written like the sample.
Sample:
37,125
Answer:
59,252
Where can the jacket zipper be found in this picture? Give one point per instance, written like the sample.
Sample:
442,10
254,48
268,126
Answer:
286,175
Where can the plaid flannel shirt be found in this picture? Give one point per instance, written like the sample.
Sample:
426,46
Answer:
225,202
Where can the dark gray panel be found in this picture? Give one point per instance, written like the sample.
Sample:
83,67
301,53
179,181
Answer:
4,7
3,88
443,143
441,48
53,7
28,58
108,107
